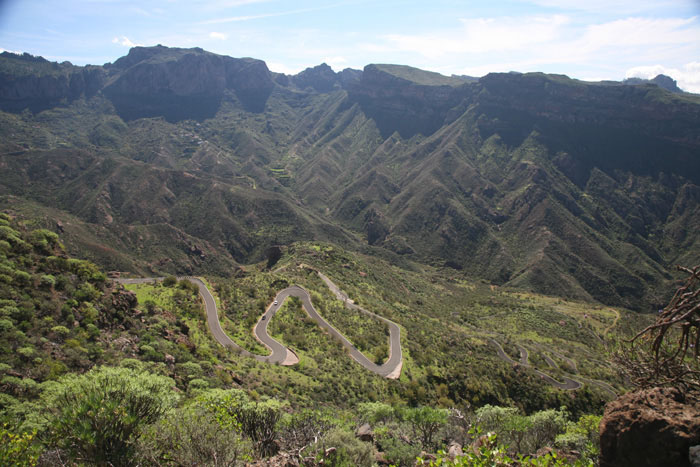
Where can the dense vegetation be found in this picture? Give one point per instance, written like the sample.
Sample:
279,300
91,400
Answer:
506,224
94,373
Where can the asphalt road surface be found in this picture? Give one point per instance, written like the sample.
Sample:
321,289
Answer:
568,383
278,352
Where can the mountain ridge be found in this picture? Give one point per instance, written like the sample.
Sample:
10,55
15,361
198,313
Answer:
534,181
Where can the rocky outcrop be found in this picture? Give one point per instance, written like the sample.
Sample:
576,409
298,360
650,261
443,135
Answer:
35,83
184,83
662,81
365,433
321,78
251,80
397,102
557,98
155,81
653,427
350,77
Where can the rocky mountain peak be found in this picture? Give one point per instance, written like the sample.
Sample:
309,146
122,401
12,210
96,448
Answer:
321,78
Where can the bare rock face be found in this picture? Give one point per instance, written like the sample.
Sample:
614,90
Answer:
184,83
321,78
49,84
653,427
401,104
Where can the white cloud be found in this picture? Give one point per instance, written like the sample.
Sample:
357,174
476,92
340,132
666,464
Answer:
282,68
218,35
125,41
687,76
236,19
11,51
643,31
555,43
482,35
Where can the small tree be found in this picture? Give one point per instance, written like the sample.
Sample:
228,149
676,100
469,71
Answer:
303,430
426,421
191,436
170,281
375,412
259,422
545,425
97,417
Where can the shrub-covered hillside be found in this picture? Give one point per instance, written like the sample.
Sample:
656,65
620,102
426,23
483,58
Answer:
92,373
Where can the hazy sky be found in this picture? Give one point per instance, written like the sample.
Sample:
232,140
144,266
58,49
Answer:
585,39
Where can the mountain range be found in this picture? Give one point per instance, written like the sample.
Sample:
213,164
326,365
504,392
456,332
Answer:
183,161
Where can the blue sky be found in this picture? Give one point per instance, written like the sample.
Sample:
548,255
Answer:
585,39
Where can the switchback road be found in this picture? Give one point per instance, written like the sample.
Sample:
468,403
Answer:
279,353
568,383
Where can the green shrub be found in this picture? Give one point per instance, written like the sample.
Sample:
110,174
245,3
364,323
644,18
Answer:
60,331
426,421
43,239
399,452
170,281
197,384
86,293
349,451
47,281
191,436
582,436
375,412
190,369
98,416
18,449
92,330
26,352
6,325
22,277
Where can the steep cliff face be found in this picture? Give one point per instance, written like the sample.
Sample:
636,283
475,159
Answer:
644,109
251,80
174,83
184,83
35,83
321,78
405,99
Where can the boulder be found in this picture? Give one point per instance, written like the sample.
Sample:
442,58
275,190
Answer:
454,450
365,433
651,427
694,456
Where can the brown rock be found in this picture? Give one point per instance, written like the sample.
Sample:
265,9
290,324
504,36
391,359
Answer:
651,427
380,459
454,450
365,433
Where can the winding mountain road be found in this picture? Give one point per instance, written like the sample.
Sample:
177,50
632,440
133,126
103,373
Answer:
568,384
279,353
